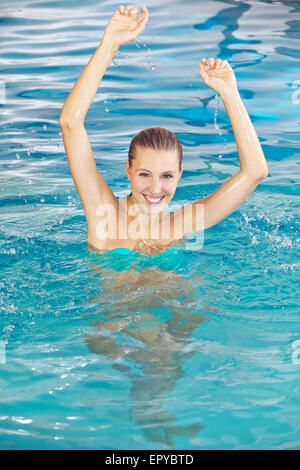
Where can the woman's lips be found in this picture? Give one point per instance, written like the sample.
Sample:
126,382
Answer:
153,201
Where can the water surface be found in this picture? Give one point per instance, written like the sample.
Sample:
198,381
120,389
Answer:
195,348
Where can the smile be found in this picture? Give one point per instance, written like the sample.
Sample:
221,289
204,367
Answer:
153,201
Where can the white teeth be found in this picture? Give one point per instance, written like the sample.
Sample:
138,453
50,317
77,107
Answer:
154,199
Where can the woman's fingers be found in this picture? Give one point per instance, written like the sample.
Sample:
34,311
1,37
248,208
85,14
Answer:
210,62
218,63
203,69
144,16
127,10
214,64
134,12
121,9
142,21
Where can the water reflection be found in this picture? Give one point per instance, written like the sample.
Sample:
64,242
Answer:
144,323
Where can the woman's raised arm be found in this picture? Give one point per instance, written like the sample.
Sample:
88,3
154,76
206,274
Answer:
219,76
123,27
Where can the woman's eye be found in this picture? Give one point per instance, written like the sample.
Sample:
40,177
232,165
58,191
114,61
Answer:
165,176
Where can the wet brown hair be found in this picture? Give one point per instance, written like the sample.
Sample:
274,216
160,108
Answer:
156,138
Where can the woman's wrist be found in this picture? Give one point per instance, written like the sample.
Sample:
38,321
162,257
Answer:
108,45
230,95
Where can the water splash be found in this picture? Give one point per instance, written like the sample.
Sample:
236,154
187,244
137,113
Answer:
216,106
217,127
192,76
121,58
140,44
107,102
118,58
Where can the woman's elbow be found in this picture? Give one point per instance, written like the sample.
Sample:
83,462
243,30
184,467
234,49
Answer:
63,121
264,173
67,123
261,173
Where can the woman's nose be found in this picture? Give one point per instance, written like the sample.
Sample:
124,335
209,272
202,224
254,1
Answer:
155,187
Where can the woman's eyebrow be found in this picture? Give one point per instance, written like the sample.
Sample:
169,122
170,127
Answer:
168,171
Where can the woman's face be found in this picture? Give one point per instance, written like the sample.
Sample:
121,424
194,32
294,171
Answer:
154,176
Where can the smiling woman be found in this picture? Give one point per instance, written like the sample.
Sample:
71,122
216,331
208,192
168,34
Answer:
154,173
197,348
154,166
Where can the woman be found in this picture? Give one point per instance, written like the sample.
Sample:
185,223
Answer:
155,164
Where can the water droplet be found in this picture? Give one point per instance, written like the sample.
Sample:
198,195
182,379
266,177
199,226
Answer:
147,53
216,123
216,114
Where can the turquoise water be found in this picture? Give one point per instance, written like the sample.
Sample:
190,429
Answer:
195,348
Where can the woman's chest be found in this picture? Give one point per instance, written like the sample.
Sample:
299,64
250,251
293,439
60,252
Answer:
133,233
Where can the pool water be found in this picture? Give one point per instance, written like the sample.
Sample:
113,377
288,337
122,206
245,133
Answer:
194,348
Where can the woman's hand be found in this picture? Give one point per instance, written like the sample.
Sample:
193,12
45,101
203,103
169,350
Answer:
124,26
218,75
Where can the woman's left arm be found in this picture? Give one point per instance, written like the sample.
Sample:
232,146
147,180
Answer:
219,76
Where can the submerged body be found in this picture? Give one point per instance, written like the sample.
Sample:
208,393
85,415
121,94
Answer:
155,167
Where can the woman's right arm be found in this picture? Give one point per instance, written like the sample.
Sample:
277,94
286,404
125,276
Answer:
93,190
90,185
